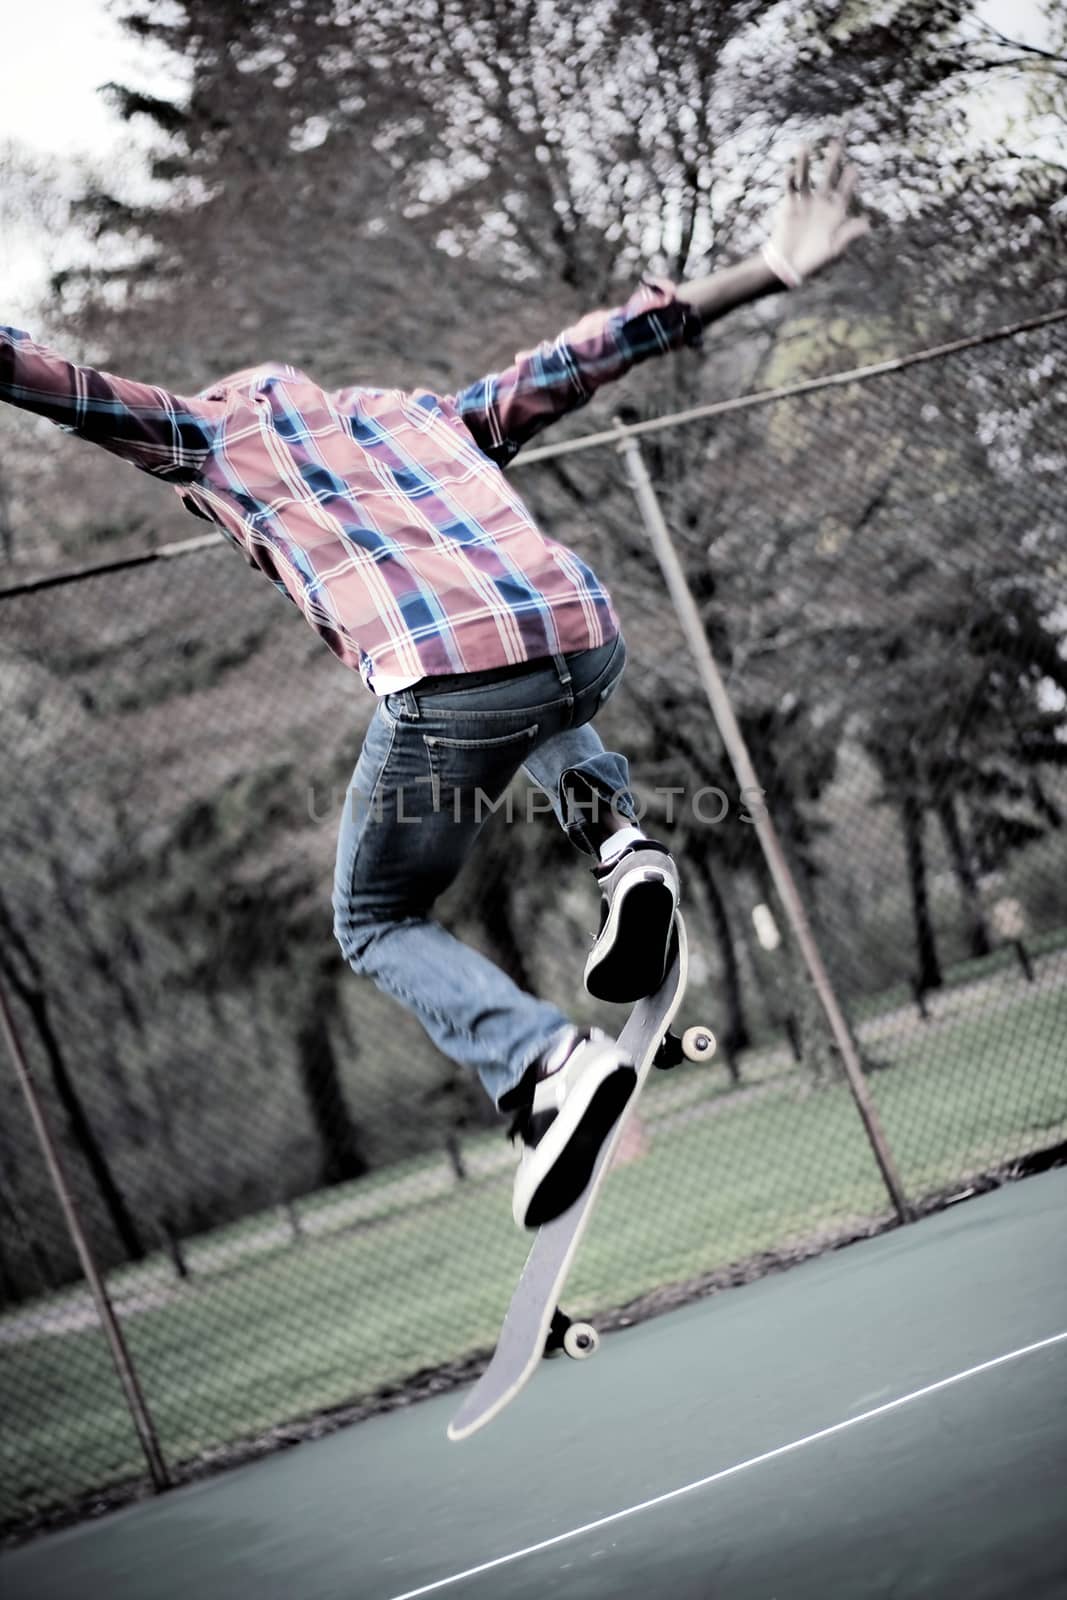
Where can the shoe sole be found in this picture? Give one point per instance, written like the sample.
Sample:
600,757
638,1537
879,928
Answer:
569,1174
643,916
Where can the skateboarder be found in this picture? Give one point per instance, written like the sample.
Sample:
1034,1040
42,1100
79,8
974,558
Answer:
386,517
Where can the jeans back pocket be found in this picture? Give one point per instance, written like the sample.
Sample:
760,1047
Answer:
469,775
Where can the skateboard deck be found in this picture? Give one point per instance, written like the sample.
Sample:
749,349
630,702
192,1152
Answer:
530,1315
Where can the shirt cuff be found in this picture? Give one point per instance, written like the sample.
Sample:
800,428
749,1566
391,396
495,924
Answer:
680,320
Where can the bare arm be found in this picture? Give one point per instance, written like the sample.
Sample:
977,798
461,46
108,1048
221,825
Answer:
730,287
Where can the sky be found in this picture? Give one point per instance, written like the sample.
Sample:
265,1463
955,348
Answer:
58,53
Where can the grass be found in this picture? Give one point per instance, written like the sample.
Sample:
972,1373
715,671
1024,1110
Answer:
299,1328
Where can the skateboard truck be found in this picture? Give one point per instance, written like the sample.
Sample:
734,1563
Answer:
579,1340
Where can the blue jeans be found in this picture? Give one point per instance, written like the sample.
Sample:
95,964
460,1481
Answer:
435,761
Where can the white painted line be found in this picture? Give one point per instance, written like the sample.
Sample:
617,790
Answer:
731,1472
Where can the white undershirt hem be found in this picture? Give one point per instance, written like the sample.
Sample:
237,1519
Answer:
382,684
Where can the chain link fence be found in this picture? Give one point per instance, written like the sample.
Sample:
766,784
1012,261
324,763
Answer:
302,1209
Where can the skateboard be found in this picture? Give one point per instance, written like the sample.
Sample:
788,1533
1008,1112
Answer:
535,1326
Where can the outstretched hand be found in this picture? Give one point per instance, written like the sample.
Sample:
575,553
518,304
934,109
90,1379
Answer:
811,226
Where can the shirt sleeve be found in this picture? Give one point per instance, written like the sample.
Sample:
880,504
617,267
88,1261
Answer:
149,427
507,408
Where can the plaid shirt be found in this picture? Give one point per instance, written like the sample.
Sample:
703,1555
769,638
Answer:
384,515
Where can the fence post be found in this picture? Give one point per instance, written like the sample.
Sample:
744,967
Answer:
120,1354
722,711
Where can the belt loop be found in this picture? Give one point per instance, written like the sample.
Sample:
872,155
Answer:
411,705
560,663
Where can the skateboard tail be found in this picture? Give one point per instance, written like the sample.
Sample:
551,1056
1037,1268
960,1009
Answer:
459,1430
472,1415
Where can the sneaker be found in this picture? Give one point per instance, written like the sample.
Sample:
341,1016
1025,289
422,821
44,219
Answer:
640,896
565,1107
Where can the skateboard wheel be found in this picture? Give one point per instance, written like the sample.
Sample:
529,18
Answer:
698,1044
581,1341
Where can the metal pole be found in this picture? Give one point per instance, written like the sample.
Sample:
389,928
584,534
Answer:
737,750
120,1354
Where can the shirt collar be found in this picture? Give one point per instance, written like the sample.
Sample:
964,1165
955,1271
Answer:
249,380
